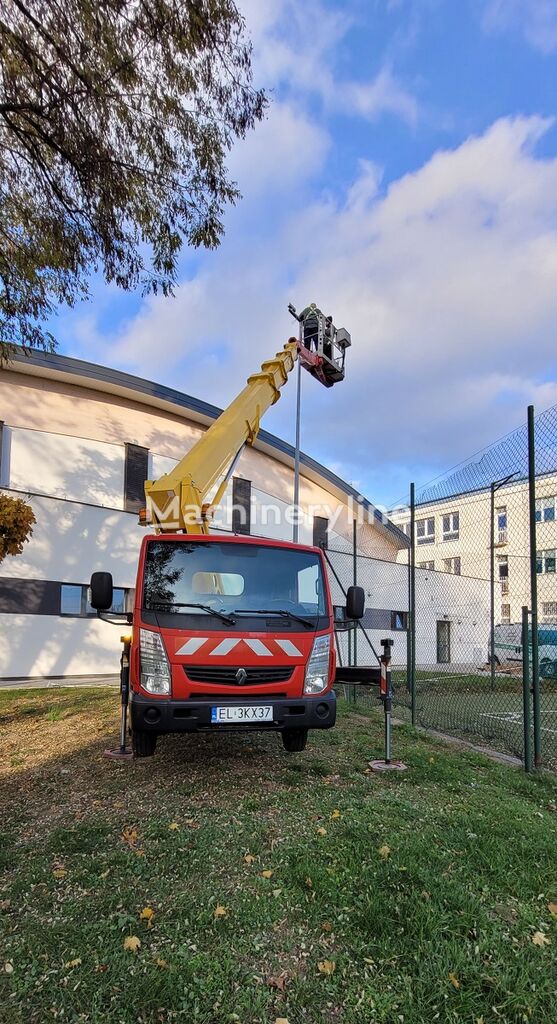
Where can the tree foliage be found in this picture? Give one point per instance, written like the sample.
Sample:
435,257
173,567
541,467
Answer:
16,525
116,118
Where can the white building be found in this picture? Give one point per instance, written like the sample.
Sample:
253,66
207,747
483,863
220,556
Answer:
453,536
77,442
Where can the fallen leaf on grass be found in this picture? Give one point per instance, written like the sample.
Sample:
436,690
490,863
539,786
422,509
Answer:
281,1020
173,827
249,858
159,962
8,968
309,883
132,943
321,831
147,914
129,836
277,981
454,980
277,892
73,963
335,814
384,852
326,966
59,872
220,911
326,926
105,874
267,873
552,907
540,939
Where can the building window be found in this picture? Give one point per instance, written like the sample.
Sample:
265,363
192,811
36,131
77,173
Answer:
426,565
503,572
135,474
425,531
505,613
452,565
70,599
451,526
241,505
320,532
74,601
501,524
545,561
399,620
545,510
549,611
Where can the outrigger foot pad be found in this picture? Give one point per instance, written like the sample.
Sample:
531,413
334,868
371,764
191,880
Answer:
384,766
117,754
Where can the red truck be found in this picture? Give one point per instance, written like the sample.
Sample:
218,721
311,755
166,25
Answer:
230,633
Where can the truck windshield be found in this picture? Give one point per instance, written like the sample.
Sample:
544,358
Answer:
181,577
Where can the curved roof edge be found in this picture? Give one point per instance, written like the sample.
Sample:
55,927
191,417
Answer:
118,381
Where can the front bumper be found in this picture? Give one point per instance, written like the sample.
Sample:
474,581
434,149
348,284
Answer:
161,716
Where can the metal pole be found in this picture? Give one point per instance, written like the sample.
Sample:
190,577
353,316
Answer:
492,588
412,608
295,527
355,573
534,585
387,694
526,718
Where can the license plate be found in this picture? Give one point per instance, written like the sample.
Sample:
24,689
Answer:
248,715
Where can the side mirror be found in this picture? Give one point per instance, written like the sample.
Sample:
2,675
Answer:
101,591
355,602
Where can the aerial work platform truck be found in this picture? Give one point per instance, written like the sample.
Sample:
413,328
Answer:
230,632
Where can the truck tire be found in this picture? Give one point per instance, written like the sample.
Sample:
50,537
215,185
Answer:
294,740
144,744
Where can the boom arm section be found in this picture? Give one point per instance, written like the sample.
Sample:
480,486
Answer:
177,501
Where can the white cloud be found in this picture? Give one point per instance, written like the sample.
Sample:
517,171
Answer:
447,282
536,19
296,47
286,149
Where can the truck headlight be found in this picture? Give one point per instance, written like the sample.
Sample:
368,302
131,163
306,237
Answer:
155,670
317,671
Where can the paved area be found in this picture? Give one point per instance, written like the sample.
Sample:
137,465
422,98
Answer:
40,683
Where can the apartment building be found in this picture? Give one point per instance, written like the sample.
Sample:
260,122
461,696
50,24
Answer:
466,534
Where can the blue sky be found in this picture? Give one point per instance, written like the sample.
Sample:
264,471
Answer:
406,180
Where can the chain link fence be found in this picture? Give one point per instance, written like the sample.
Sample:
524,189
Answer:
471,602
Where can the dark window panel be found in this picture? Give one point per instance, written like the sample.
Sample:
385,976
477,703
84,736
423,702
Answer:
29,597
135,475
241,505
321,532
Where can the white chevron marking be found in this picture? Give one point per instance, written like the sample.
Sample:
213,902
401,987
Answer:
192,645
289,648
258,647
225,646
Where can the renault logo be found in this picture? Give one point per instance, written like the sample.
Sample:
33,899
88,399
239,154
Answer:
241,676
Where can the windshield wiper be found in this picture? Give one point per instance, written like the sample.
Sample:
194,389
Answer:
189,604
286,614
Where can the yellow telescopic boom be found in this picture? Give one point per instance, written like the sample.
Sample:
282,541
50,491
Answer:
178,500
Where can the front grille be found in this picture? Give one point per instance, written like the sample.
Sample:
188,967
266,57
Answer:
225,675
231,698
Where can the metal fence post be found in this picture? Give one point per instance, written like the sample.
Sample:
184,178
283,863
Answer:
412,602
534,585
527,721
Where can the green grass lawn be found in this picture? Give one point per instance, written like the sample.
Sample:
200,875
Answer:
262,886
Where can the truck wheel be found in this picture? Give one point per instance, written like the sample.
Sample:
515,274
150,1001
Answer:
144,744
294,740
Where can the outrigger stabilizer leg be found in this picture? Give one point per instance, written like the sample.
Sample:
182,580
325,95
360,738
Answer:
386,696
123,753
